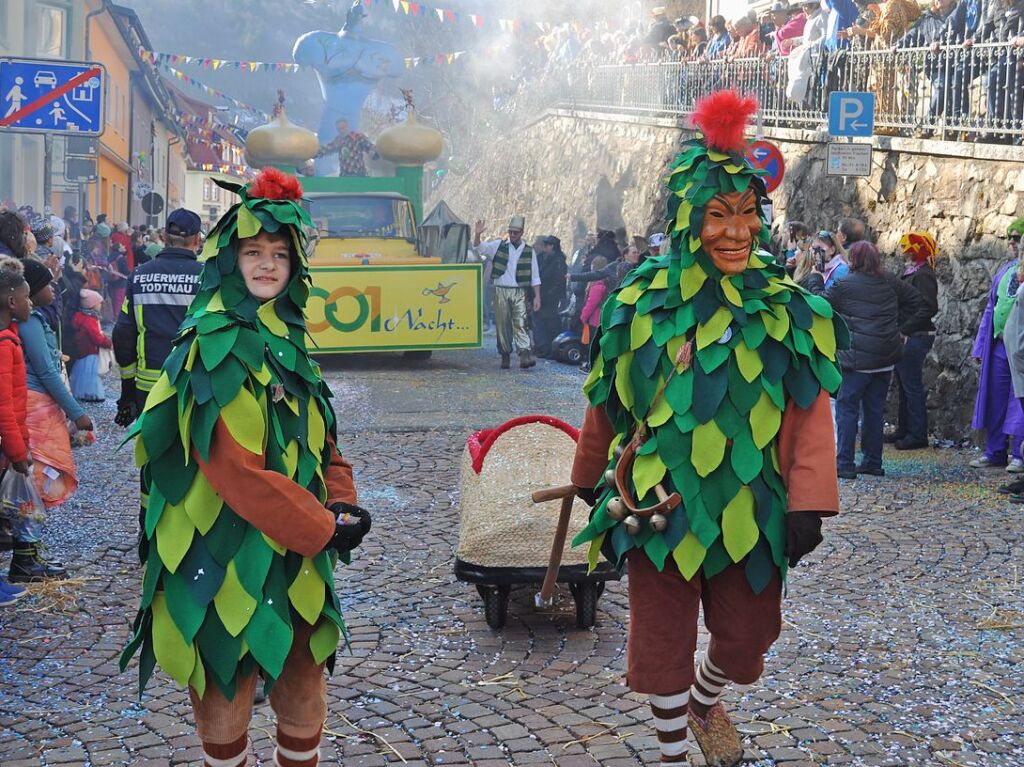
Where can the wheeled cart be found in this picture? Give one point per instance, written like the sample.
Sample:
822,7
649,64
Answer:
511,532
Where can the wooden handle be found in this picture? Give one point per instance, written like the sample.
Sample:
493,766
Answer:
557,546
553,493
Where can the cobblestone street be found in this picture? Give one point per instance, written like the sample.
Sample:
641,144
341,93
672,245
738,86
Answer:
903,640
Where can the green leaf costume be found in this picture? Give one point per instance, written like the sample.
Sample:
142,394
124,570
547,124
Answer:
758,340
220,598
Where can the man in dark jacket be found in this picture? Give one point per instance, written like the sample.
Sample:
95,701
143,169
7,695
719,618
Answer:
875,305
661,28
614,271
604,246
159,294
546,323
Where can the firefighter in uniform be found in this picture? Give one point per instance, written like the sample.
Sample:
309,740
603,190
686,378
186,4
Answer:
159,294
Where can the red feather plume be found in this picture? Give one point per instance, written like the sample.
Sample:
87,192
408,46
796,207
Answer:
273,184
722,118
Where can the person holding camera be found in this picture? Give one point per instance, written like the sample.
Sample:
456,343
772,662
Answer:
829,258
804,273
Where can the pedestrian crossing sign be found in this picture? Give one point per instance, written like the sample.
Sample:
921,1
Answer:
49,96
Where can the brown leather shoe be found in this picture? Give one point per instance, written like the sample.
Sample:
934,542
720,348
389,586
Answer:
717,738
527,360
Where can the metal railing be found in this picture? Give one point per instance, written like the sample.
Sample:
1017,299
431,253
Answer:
953,93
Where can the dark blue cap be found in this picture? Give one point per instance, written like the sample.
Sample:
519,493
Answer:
183,223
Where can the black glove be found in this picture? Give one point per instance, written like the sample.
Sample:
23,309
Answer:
351,524
803,534
588,495
127,405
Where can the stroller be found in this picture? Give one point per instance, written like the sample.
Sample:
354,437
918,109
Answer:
568,346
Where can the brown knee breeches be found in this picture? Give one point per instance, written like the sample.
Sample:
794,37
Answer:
663,625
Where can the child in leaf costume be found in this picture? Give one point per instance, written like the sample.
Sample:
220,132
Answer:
708,438
247,503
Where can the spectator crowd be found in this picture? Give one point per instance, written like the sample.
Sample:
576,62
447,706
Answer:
946,61
890,316
61,278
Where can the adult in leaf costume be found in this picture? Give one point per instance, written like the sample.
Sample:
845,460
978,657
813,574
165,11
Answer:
247,503
708,437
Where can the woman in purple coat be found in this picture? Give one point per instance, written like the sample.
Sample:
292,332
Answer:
996,410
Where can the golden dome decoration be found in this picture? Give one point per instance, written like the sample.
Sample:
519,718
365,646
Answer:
410,143
280,141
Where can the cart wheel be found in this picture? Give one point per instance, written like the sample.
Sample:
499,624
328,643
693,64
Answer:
586,596
417,355
495,605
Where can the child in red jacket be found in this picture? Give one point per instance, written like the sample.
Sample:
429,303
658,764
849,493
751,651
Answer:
85,377
14,305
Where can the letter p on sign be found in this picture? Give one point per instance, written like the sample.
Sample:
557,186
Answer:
851,114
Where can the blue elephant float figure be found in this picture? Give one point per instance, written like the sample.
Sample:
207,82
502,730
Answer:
348,66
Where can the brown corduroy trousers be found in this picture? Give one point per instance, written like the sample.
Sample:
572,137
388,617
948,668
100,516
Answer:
663,613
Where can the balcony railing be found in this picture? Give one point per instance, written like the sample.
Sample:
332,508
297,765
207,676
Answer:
953,93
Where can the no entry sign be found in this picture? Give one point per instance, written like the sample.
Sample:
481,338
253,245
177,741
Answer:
768,157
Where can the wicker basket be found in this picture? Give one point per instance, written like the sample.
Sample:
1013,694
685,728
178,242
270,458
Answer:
499,525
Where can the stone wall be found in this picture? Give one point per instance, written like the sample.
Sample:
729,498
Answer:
571,173
568,176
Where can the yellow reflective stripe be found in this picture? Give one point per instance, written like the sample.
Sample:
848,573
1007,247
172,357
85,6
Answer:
145,378
140,335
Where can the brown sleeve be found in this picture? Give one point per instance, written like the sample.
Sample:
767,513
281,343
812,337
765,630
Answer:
289,514
807,457
340,486
592,448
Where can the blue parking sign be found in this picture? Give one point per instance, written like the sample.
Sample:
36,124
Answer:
47,96
851,114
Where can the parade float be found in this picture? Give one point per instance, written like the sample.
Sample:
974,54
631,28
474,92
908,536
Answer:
379,284
375,288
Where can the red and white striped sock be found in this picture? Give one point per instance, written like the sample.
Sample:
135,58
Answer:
297,752
711,681
670,722
234,754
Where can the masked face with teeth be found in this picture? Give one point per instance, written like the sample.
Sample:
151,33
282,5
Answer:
731,222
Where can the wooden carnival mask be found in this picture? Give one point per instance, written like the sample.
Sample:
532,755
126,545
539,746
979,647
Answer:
731,223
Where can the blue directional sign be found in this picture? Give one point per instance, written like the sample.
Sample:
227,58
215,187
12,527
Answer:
851,114
47,96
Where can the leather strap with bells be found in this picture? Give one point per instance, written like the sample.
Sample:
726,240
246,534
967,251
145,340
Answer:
618,478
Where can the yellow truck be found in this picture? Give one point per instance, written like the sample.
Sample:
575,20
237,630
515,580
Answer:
375,285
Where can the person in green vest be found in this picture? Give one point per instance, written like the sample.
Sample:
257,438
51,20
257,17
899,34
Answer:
515,276
996,410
